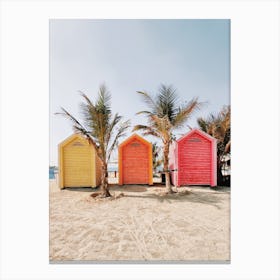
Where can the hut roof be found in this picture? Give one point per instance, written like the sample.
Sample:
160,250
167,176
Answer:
70,139
198,131
133,137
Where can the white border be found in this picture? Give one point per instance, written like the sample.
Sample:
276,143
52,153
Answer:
24,137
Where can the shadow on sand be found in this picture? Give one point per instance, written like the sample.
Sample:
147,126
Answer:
81,189
201,198
124,188
210,196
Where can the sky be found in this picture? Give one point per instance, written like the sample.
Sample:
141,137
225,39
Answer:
136,55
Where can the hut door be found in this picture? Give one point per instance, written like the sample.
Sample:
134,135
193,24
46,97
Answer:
135,163
195,162
77,165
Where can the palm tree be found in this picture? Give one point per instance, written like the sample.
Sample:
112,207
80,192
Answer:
101,128
157,157
218,126
165,114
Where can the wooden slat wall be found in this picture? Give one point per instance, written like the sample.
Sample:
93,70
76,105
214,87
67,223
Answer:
77,163
194,157
135,163
194,162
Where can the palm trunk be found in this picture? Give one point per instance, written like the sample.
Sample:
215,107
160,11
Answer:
104,181
165,167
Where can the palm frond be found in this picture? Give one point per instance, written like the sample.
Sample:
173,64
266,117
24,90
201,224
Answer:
140,127
116,119
218,126
97,115
203,124
120,133
88,101
148,100
167,102
148,113
104,98
147,130
162,124
74,121
185,112
78,127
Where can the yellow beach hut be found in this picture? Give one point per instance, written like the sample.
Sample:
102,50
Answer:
79,165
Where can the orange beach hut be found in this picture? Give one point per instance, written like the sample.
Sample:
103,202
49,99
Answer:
79,165
135,161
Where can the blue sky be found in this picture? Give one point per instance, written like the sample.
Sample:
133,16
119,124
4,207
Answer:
130,55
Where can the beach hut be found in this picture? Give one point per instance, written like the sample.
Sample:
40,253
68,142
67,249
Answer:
135,161
79,165
193,158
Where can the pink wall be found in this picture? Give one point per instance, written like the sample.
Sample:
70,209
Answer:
194,155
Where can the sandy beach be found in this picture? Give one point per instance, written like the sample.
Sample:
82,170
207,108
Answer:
140,224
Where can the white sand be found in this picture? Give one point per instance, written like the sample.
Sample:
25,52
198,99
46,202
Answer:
142,225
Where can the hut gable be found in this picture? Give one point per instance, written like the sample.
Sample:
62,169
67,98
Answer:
77,163
135,161
195,158
196,133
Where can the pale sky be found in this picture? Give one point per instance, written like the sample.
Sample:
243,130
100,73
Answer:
132,55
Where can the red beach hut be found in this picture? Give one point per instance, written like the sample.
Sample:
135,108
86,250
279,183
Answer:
135,161
194,159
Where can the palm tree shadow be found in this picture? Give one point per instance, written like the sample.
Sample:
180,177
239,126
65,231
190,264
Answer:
129,188
82,189
192,197
213,198
222,189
